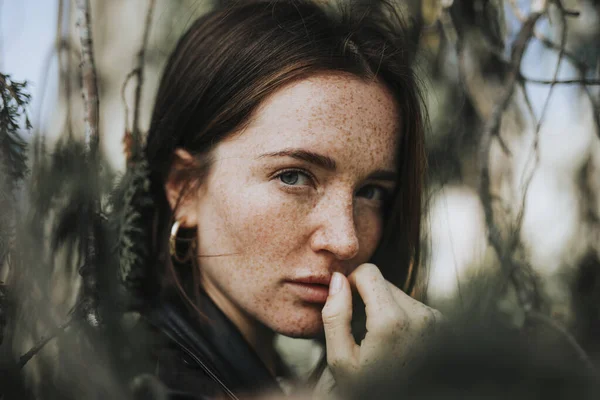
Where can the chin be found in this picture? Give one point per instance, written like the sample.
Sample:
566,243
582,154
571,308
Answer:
299,324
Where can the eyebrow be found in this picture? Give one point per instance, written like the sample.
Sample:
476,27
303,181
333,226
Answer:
383,175
317,159
327,163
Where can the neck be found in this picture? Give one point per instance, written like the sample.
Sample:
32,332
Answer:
260,338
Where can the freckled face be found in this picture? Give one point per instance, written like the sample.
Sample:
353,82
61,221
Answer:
295,197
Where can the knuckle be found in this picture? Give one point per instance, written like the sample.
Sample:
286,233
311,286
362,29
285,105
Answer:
439,317
430,318
332,318
328,311
338,365
368,270
334,361
393,316
391,321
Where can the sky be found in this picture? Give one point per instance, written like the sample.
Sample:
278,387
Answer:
27,33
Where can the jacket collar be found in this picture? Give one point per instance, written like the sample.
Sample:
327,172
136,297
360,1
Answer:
213,344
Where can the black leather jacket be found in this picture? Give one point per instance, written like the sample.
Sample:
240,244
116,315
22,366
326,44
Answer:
199,359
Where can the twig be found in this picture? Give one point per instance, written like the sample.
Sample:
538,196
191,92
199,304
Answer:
528,101
546,41
88,72
535,148
140,74
562,82
24,359
63,43
128,78
64,65
491,129
88,245
572,57
516,10
570,13
583,68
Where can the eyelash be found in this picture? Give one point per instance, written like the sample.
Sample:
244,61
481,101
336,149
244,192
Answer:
385,192
279,174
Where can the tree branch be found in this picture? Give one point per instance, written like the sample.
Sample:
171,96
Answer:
535,149
491,130
24,359
133,138
562,82
140,73
88,72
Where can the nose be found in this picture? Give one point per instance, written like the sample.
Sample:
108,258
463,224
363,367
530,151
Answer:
336,231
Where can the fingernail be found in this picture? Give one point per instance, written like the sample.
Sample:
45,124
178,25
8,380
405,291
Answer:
336,283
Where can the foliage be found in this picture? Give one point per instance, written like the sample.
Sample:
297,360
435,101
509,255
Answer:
13,169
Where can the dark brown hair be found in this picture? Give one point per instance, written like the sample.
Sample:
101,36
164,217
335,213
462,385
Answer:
233,58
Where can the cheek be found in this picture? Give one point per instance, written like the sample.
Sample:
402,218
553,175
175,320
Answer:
261,219
369,226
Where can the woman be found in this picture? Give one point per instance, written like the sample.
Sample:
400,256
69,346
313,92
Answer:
286,155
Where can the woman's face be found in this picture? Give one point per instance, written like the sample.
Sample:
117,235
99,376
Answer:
293,198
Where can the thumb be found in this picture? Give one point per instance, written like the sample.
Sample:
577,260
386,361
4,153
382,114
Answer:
337,314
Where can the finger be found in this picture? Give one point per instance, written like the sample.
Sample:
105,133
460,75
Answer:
337,314
431,315
380,306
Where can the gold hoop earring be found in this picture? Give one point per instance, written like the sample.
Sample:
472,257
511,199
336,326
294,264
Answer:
173,245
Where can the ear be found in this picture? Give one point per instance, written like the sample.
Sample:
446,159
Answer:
181,190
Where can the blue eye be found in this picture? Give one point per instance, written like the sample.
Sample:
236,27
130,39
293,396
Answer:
374,193
294,178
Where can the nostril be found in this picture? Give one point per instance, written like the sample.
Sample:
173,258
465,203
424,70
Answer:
343,246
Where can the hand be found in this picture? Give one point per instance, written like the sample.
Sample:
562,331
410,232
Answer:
397,325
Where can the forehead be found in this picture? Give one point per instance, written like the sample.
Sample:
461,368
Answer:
339,114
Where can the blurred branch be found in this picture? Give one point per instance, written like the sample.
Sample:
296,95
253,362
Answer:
24,359
88,71
133,137
572,57
491,130
536,140
140,73
582,66
516,10
563,82
89,270
530,313
453,37
128,78
64,64
569,13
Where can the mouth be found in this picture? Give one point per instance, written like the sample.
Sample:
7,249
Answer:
310,289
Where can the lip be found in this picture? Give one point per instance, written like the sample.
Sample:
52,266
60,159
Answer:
311,289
